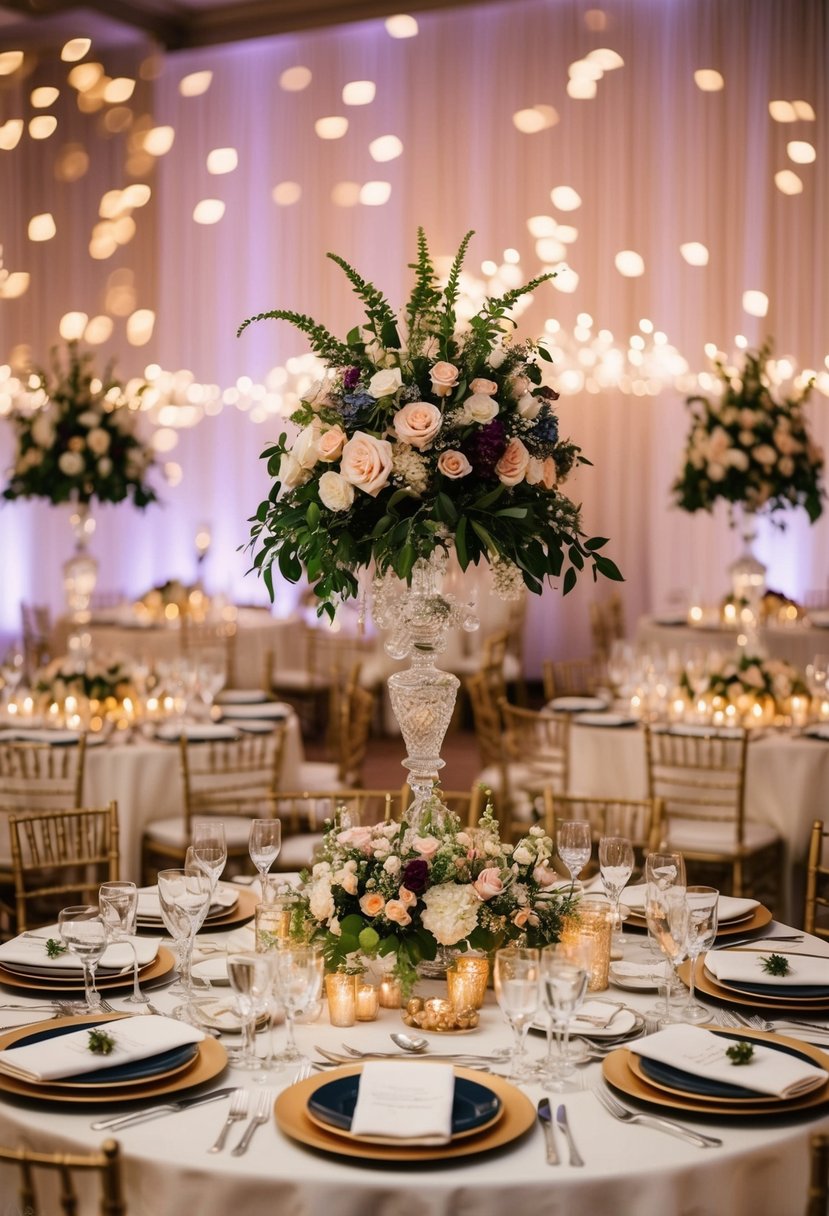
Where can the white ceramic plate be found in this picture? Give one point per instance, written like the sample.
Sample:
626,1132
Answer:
637,977
624,1021
241,696
198,732
576,705
261,709
597,719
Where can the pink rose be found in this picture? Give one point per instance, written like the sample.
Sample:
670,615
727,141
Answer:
407,898
488,387
513,464
545,875
417,423
356,838
366,462
371,904
488,883
395,911
550,474
331,444
453,464
444,378
426,846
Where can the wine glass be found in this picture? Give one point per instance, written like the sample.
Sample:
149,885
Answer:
564,976
703,903
516,978
250,975
668,920
183,896
84,935
211,679
118,904
615,867
575,844
210,847
666,868
297,975
264,843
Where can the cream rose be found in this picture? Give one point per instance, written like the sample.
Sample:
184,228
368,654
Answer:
453,464
305,446
522,855
366,462
331,444
335,492
71,463
488,387
488,883
372,904
513,464
545,875
444,378
386,382
529,407
291,472
98,440
395,911
417,424
479,408
426,846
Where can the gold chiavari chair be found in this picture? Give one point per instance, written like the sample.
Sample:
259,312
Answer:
203,641
354,712
702,779
607,624
58,854
572,677
305,672
536,755
303,815
817,884
59,1169
640,819
233,779
468,805
817,1203
36,626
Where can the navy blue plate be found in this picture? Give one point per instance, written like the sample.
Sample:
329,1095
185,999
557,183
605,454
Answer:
136,1070
474,1104
779,991
686,1082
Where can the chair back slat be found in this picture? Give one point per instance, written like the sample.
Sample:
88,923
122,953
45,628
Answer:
106,1164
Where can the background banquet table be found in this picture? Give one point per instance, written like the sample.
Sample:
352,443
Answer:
761,1169
797,643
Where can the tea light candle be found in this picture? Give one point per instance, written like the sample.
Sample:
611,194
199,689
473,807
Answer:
467,981
390,996
592,926
729,613
341,991
694,614
368,1002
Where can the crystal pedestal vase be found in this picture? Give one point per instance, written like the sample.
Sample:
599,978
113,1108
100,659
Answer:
748,583
80,572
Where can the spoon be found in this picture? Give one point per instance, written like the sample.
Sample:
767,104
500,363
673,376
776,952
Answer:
415,1045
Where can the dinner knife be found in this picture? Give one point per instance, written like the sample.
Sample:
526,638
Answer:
154,1112
545,1118
561,1120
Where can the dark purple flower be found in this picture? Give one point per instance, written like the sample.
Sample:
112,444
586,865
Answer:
485,447
548,393
351,378
415,875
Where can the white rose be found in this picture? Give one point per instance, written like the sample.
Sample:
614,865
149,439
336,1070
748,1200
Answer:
479,408
89,419
317,395
522,855
291,472
496,356
528,406
385,383
336,493
43,431
71,464
321,901
391,865
305,446
105,466
98,440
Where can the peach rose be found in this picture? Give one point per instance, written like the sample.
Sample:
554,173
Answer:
545,875
488,387
426,846
513,464
371,904
335,492
348,882
366,462
331,444
395,911
417,423
407,898
453,464
356,838
549,474
488,883
444,378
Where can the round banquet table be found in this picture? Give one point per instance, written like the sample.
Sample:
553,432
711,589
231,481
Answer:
760,1170
797,644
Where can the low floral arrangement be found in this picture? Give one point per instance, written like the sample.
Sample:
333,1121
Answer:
180,598
94,680
774,606
392,890
422,433
747,678
76,437
750,446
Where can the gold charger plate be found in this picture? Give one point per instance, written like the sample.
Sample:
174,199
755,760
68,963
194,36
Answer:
758,919
161,966
618,1071
706,983
210,1061
291,1111
241,912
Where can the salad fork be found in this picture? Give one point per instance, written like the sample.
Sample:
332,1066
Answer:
263,1110
238,1110
658,1122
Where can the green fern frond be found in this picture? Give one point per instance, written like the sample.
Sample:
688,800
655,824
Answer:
425,297
378,310
452,289
323,342
487,324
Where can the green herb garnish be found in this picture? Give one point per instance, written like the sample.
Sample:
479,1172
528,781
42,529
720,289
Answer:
740,1053
100,1043
54,948
776,964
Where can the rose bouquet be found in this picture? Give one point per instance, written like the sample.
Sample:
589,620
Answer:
750,446
76,437
390,890
746,679
421,433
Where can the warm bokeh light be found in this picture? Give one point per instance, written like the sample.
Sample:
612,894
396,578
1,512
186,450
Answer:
581,89
136,195
782,111
801,152
596,20
565,198
13,284
294,80
401,25
334,126
537,118
787,182
346,194
195,84
164,439
159,140
375,194
10,61
10,133
541,225
629,263
359,92
585,69
566,280
43,126
695,253
755,303
708,80
550,250
42,227
98,330
222,160
72,325
286,193
385,147
140,327
119,90
44,97
75,49
208,211
85,76
607,59
804,111
567,233
72,163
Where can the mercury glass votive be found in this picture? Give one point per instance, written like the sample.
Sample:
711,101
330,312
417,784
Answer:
390,994
341,991
367,1002
466,980
592,925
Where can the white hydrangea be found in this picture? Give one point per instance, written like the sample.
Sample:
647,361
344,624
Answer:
451,912
409,466
321,901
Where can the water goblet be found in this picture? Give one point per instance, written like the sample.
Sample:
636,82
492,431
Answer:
210,846
211,679
84,935
703,903
298,972
118,904
250,975
184,897
516,978
575,844
667,869
615,867
668,918
264,843
564,976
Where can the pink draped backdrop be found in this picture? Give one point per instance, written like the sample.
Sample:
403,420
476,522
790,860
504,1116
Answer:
656,161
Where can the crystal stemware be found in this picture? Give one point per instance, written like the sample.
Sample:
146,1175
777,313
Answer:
516,978
297,973
615,868
666,869
564,976
183,896
250,975
703,903
264,843
84,934
118,904
575,844
210,846
668,920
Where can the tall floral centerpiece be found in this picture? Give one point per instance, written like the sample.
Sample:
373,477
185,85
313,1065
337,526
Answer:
751,447
77,444
423,435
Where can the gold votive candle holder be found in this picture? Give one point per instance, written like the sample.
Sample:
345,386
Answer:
341,991
367,1002
467,980
592,926
390,994
273,923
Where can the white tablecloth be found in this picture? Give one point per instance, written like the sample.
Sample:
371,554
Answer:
761,1169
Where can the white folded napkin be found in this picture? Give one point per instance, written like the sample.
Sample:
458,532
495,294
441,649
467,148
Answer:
42,735
68,1055
171,732
225,896
746,966
411,1102
728,908
698,1051
31,952
262,709
597,1015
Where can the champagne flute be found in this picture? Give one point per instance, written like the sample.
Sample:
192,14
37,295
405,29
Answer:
210,847
615,867
668,920
703,903
250,976
666,868
118,904
564,977
264,843
516,978
84,935
298,972
575,844
183,896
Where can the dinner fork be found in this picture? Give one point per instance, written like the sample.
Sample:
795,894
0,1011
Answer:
302,1073
657,1122
263,1110
238,1110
